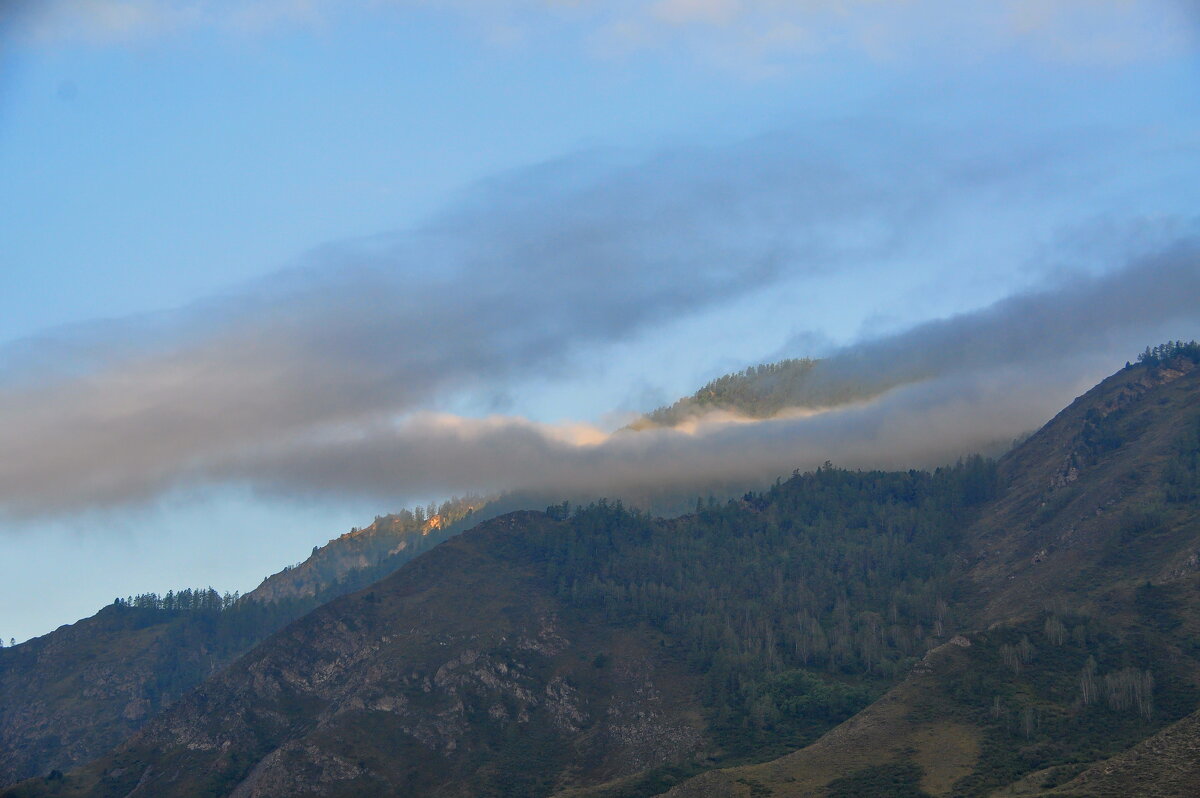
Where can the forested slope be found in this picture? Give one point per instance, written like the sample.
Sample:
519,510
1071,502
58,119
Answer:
1079,590
759,663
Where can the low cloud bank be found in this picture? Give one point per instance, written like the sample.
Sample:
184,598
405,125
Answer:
921,425
965,384
507,283
321,380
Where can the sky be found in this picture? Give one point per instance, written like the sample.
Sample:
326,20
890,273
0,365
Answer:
272,267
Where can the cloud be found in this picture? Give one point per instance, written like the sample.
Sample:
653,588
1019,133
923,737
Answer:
1107,312
1087,31
748,35
712,12
95,21
505,284
342,358
921,425
1100,31
966,383
118,22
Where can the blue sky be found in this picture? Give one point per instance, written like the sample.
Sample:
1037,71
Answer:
249,246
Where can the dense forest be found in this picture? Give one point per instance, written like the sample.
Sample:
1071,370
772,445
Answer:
798,604
1164,353
840,573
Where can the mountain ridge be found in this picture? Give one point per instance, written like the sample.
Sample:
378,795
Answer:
74,693
573,555
1068,566
1012,573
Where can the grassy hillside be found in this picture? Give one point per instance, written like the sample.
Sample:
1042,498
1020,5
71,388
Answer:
894,747
1101,499
1162,765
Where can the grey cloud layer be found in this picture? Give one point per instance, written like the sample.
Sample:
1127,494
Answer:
503,285
973,380
916,426
1154,295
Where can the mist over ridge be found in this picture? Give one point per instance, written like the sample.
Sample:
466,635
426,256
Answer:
332,378
920,398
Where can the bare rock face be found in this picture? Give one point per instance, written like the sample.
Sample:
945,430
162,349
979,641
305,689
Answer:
643,726
295,768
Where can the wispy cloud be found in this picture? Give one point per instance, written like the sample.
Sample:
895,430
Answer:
118,22
742,34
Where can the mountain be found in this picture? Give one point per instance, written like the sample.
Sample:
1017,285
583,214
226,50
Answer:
1081,583
44,723
386,684
1164,764
69,696
758,392
597,644
73,694
1101,501
1024,626
893,747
